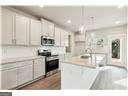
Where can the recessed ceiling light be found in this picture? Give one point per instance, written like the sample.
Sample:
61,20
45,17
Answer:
69,21
121,6
41,6
117,22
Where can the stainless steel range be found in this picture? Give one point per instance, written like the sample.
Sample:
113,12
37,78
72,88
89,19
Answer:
51,61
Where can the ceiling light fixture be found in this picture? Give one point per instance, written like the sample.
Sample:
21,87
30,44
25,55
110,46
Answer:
69,21
121,6
82,26
117,22
41,6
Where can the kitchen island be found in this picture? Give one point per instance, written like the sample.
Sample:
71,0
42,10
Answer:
79,73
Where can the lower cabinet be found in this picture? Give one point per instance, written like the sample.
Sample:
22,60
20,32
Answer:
18,73
39,67
25,74
9,78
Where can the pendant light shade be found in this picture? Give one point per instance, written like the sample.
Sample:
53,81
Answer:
82,26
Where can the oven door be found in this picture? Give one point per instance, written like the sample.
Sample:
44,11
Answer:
52,65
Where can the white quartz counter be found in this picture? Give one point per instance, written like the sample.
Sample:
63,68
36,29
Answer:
79,73
18,59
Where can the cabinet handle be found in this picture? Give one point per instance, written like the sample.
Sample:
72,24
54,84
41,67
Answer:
15,41
12,41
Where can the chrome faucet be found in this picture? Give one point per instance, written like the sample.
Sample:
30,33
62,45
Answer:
88,50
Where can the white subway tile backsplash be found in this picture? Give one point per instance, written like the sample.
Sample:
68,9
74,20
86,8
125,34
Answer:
20,51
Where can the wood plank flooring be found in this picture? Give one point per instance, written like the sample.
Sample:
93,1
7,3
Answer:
52,82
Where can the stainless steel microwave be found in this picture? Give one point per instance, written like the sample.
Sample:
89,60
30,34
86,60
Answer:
45,41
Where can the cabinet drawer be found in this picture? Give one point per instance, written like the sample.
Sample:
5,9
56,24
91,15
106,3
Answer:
8,66
16,64
9,78
24,63
25,74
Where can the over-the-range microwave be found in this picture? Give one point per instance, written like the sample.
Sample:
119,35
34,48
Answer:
45,41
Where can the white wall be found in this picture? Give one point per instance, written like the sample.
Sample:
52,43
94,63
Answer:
106,34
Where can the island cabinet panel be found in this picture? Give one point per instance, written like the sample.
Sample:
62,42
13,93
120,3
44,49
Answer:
71,76
39,67
77,77
9,78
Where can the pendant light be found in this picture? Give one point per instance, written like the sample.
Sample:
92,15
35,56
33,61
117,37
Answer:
82,26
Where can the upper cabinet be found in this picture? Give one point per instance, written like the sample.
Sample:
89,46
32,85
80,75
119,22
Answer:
7,27
21,30
64,38
51,30
47,28
35,31
44,28
80,37
57,36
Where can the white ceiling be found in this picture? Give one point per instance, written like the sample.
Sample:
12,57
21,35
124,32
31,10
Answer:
104,16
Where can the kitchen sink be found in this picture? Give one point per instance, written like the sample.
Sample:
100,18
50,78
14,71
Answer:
85,56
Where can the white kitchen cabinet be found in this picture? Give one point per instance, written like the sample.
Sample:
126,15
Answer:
64,38
25,73
80,37
44,28
39,67
9,78
71,76
47,28
57,36
21,30
35,31
77,77
7,27
50,29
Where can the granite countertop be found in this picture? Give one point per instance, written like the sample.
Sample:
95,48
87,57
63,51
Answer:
17,59
81,62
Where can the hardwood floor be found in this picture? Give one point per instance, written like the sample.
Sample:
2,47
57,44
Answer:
52,82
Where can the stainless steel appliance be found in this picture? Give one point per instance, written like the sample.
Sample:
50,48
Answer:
45,41
51,61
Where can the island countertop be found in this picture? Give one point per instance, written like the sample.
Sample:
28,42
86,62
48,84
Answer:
81,62
87,62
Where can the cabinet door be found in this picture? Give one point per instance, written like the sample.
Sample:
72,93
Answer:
9,78
25,73
57,36
7,27
35,30
44,28
50,29
21,30
39,67
64,38
66,33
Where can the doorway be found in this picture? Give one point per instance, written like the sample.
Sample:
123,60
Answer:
115,49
